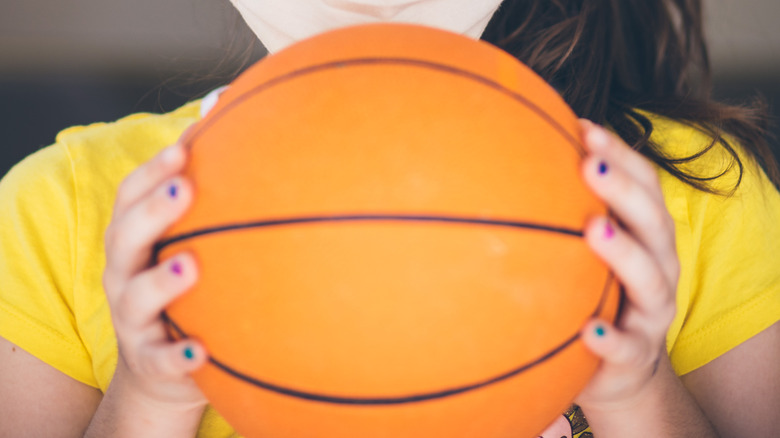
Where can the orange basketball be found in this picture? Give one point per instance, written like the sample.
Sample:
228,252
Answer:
388,227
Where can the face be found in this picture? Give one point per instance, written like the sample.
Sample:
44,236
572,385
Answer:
279,23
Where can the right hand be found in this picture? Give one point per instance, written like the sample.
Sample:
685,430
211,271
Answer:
151,367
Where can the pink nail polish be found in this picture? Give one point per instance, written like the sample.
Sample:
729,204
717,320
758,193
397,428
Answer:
176,268
609,230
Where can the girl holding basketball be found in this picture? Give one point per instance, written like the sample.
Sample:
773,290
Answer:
689,181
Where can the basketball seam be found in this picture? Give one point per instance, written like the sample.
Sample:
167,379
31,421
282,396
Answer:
361,218
340,64
332,399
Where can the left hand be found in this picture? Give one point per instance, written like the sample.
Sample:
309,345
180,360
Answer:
638,244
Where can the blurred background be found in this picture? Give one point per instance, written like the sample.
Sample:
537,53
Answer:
72,62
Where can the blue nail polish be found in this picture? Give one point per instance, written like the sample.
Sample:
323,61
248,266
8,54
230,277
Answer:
600,332
603,168
189,353
173,191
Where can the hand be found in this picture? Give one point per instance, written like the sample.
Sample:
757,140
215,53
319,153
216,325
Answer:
639,246
150,366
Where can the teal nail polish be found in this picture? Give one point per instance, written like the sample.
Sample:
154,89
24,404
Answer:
600,331
189,353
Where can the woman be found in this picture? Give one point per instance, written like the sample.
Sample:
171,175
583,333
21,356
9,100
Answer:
702,298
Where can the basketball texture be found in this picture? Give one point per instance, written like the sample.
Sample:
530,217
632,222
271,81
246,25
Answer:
388,226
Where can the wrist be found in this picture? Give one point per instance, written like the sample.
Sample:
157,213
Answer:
638,400
662,407
129,411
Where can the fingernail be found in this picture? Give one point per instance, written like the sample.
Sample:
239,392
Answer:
173,191
189,353
176,268
600,331
597,137
609,230
603,168
169,154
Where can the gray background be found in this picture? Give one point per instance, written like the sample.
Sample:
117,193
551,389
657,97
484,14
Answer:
81,61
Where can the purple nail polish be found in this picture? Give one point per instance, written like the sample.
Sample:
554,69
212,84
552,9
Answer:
609,230
176,268
603,168
173,191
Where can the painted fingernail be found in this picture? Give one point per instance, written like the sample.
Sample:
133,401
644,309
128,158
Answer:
603,168
173,191
189,353
600,331
177,268
609,230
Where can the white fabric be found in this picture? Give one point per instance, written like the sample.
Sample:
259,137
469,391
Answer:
279,23
210,100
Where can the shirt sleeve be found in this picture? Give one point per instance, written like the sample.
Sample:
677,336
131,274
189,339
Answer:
729,288
37,251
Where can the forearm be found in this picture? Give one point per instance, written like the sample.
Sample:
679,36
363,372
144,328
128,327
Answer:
663,408
124,412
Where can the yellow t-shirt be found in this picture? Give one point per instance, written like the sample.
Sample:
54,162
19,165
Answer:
57,203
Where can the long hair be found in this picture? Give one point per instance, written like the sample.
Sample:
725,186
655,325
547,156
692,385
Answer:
615,60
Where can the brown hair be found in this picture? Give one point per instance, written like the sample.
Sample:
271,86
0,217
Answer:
610,58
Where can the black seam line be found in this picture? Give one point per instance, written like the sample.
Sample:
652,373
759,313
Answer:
397,61
364,218
325,398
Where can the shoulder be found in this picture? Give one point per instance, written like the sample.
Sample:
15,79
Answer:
729,287
698,154
134,138
745,189
55,206
117,147
743,186
90,161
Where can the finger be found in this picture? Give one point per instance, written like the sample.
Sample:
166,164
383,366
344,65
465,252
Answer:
130,238
171,360
629,349
600,141
644,215
148,176
646,287
150,292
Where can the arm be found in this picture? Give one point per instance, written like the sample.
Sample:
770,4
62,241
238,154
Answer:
32,390
126,412
151,393
663,408
45,386
740,390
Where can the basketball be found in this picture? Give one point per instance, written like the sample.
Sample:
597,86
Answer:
388,225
